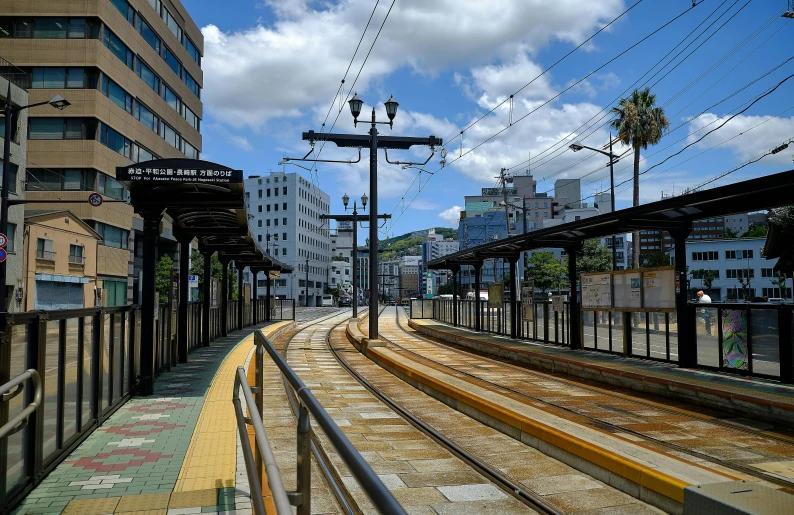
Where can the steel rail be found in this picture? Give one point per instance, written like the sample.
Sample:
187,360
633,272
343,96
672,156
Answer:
676,447
370,483
528,498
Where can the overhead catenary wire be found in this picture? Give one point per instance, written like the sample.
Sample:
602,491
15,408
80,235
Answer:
571,86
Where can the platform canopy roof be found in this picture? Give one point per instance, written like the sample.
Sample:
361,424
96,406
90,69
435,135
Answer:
670,214
205,200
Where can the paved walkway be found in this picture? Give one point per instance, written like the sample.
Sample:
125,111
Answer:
173,453
755,397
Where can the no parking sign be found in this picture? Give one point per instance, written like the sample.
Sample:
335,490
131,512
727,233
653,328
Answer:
95,199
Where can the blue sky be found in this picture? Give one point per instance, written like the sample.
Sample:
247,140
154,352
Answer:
271,70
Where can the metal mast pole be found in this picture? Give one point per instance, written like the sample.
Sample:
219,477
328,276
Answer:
612,194
373,231
354,258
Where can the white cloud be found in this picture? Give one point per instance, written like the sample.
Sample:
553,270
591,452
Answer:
451,216
291,66
240,142
753,140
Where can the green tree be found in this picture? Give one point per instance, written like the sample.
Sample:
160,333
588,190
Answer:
163,276
546,271
594,257
780,281
639,123
730,234
216,272
655,259
756,231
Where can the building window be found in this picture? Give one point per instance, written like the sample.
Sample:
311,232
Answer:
115,141
147,75
259,223
284,222
268,222
191,118
284,206
125,9
284,252
112,236
192,51
171,60
284,190
116,94
45,249
284,237
76,255
259,237
118,48
110,187
260,208
58,77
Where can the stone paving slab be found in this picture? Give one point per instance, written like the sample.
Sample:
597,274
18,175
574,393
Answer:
133,461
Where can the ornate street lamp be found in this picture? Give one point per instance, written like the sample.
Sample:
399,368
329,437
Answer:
355,108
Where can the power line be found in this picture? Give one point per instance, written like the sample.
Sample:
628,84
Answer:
462,154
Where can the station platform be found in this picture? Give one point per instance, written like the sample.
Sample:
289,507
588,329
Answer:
173,453
748,397
648,447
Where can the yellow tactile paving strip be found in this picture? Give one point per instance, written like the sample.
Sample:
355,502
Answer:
211,458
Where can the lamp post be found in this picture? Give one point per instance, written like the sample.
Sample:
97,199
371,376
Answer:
355,218
374,142
58,102
576,147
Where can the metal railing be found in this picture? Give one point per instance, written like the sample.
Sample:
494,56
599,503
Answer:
45,255
20,420
370,483
87,360
741,338
76,260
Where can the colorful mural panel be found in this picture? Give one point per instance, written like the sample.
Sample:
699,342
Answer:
734,339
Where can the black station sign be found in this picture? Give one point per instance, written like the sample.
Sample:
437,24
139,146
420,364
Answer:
180,171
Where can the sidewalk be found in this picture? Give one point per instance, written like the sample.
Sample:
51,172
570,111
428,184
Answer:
751,397
149,458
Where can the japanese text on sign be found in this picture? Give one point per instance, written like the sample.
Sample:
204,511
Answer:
179,175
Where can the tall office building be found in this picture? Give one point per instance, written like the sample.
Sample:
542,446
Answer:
132,73
568,192
286,211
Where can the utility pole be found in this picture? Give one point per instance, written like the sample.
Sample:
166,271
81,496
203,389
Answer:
355,218
504,178
306,295
374,142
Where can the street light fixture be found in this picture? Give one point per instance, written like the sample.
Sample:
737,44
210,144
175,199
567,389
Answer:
391,109
576,147
355,104
345,200
364,200
58,102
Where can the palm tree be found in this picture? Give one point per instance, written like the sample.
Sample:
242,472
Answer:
639,123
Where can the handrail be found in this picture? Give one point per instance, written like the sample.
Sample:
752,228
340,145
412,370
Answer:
280,498
21,420
370,483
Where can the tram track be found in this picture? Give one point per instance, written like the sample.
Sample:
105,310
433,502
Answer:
602,424
337,487
506,484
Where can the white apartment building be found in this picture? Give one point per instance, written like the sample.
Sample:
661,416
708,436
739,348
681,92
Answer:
286,211
732,261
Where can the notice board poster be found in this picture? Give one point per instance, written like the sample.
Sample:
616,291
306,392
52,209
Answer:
627,290
496,294
558,303
658,288
596,291
528,301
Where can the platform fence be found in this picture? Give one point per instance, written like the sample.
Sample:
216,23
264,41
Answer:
89,363
748,339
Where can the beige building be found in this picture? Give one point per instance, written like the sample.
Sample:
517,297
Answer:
131,70
59,262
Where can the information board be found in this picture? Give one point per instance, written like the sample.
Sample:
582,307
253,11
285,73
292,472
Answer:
658,289
178,170
596,291
528,301
496,294
558,303
627,290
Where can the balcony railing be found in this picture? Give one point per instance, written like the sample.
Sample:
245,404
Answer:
76,260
